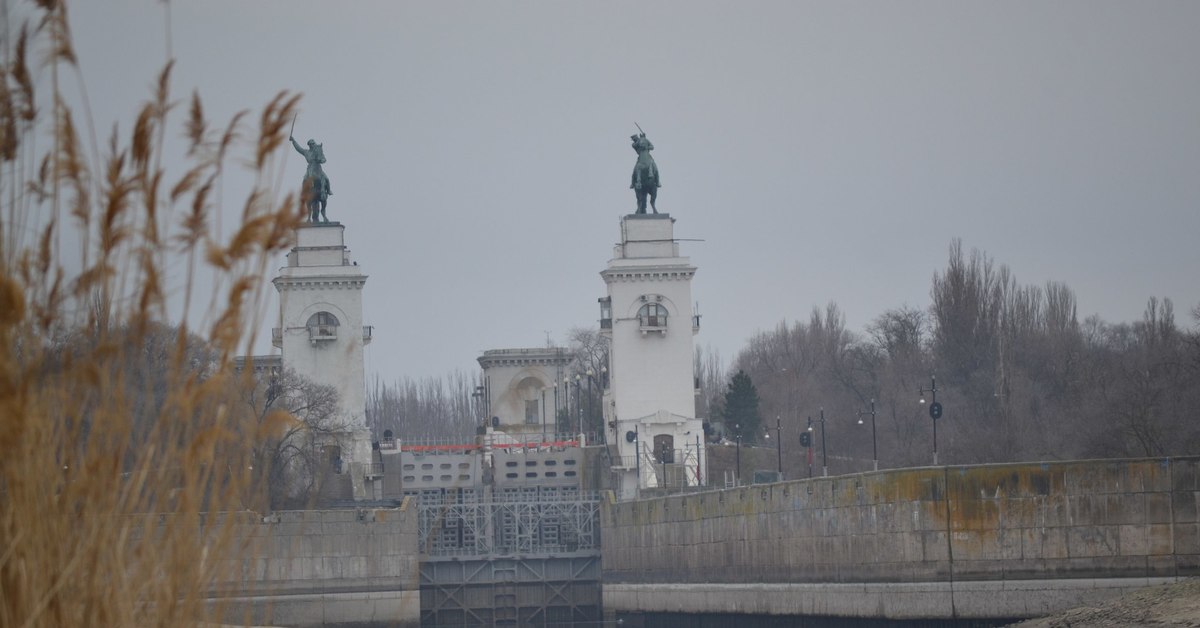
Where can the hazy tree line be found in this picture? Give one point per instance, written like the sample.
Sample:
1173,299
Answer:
428,409
1019,375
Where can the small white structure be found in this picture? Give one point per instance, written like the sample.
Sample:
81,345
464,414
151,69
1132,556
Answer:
321,335
521,390
650,403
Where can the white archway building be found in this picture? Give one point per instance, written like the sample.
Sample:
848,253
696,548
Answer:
522,391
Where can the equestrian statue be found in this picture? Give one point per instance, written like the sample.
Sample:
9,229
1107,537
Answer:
315,191
645,173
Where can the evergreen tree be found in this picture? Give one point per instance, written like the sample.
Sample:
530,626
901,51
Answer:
741,408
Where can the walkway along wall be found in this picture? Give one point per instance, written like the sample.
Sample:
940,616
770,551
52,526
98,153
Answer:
323,567
994,541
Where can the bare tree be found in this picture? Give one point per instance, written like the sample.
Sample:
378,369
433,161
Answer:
966,313
1193,340
589,359
710,378
901,338
296,433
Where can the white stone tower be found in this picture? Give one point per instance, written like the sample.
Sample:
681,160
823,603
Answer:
650,404
321,335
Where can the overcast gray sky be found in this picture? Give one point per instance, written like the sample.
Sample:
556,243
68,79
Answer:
823,151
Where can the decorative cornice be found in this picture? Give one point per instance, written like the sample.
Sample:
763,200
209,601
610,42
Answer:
319,283
611,275
521,362
538,356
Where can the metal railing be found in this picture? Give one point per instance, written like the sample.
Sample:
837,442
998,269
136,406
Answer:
322,332
682,469
373,470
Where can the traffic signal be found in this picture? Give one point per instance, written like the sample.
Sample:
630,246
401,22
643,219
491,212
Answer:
935,410
805,439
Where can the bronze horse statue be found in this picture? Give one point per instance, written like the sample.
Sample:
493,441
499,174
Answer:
645,180
315,191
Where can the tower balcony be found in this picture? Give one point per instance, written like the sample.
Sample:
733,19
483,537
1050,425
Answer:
655,328
322,333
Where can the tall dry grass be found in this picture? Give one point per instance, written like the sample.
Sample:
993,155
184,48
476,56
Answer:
117,426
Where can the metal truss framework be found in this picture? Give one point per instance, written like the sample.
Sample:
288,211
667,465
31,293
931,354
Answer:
524,527
526,559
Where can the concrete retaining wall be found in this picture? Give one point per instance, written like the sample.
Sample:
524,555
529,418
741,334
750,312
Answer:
324,567
1132,519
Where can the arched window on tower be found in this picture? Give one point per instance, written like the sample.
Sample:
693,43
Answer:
322,326
652,317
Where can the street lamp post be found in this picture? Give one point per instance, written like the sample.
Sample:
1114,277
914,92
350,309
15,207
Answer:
637,455
478,397
603,415
874,448
737,437
578,403
565,429
544,413
779,446
824,458
590,374
935,410
807,442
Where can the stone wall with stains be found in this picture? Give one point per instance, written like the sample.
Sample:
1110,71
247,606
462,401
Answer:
322,567
1029,521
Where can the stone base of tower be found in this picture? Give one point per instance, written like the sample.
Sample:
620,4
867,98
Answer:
355,472
662,452
365,472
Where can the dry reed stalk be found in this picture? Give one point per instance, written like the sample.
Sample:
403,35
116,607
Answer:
122,437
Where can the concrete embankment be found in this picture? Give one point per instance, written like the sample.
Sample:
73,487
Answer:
1014,540
323,567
